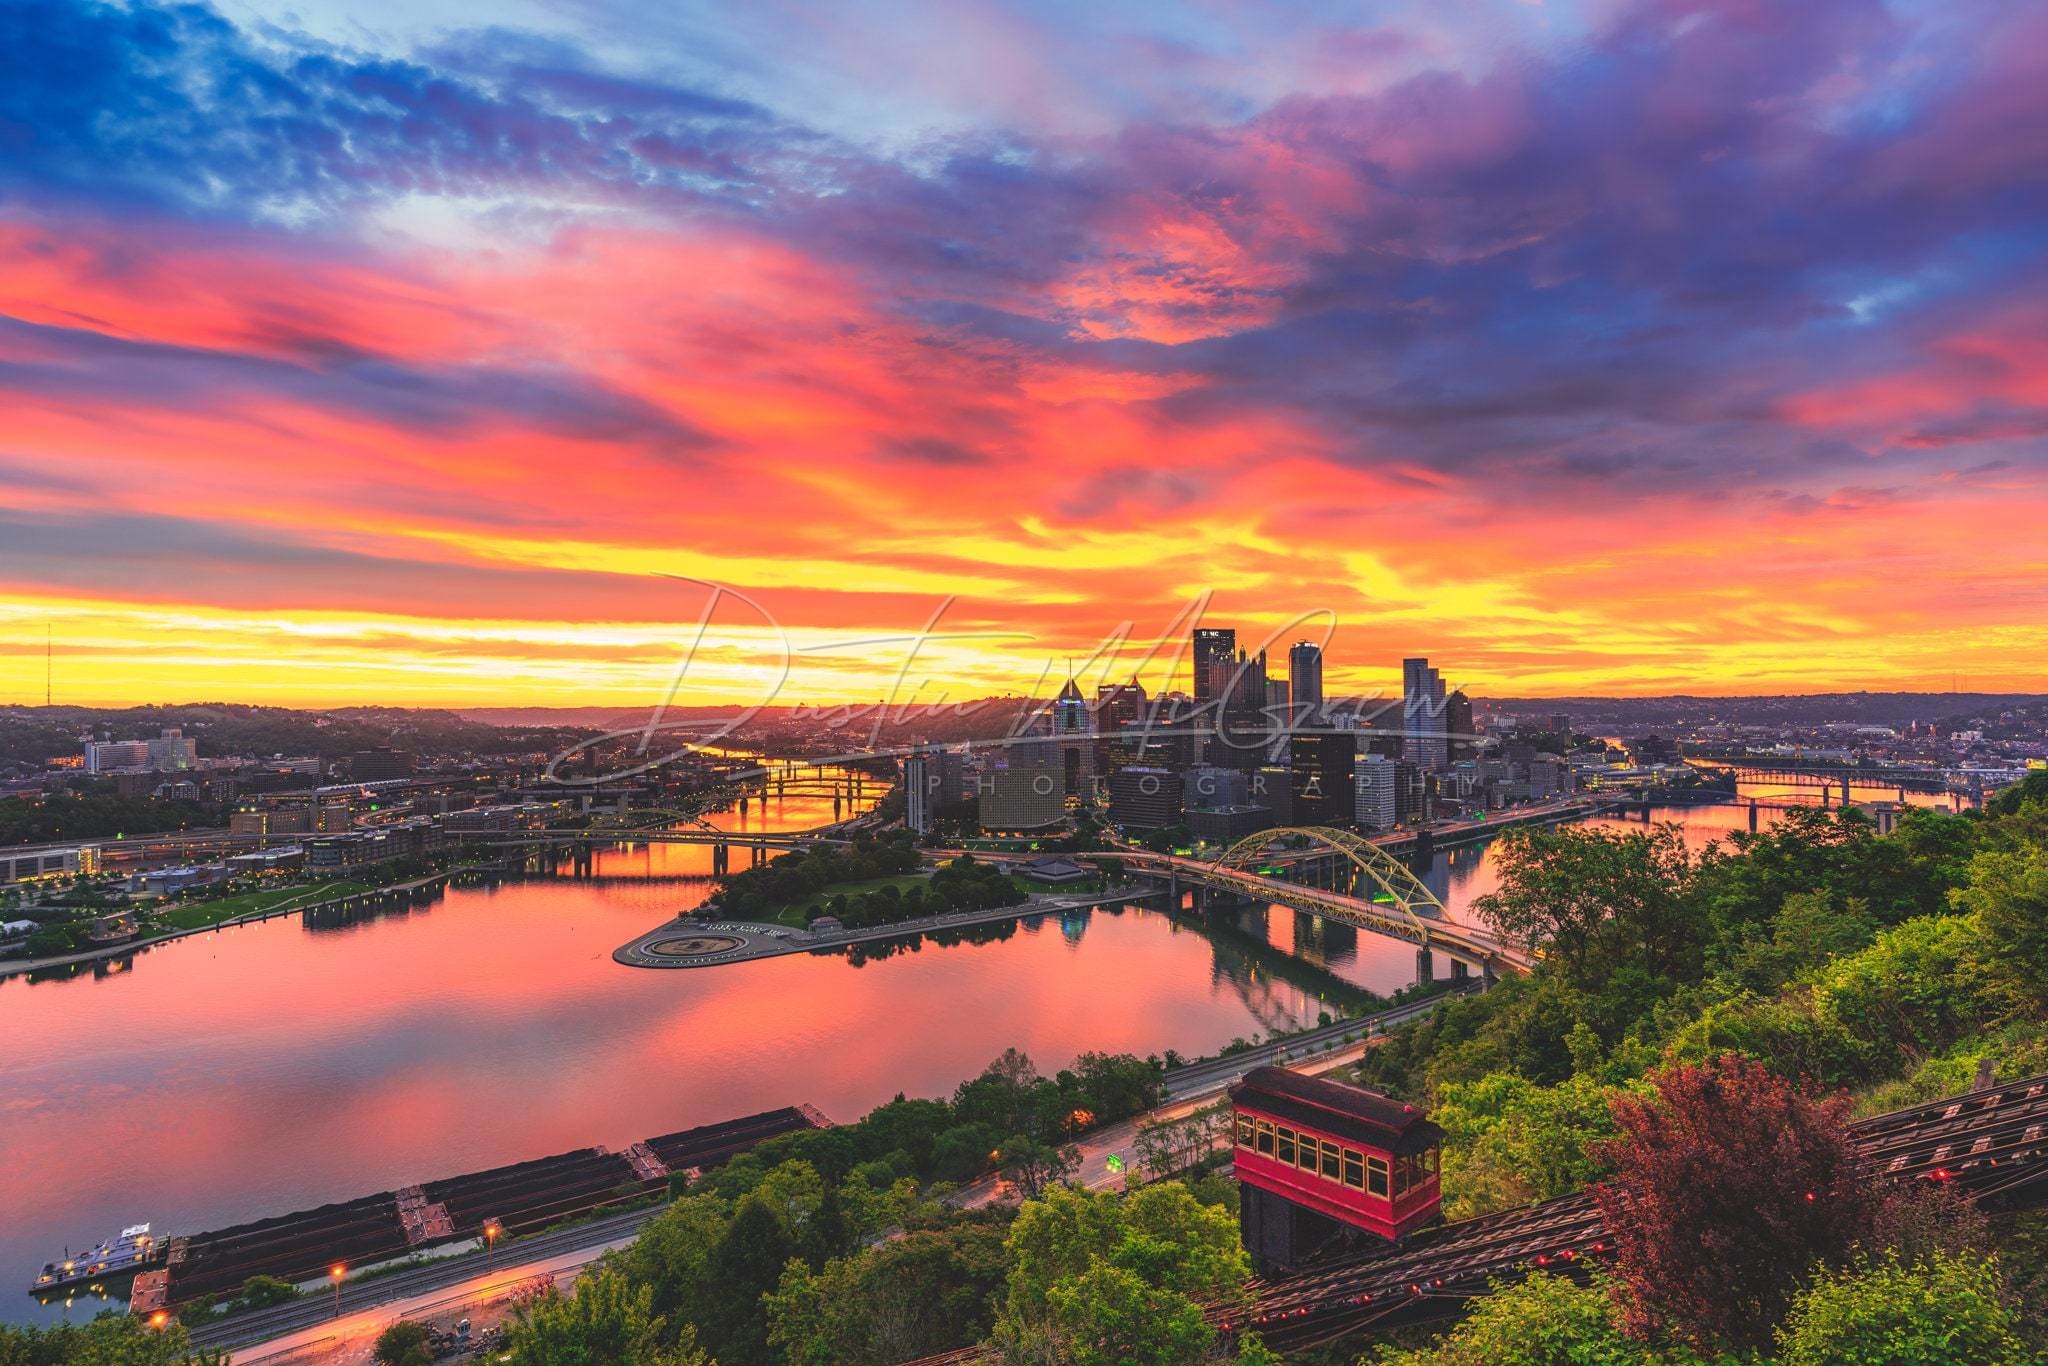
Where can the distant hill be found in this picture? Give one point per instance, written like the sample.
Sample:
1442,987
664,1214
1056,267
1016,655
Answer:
1812,709
30,736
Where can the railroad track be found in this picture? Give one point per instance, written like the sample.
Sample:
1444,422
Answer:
1992,1143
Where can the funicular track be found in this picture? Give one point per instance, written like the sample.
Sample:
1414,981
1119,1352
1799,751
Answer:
1992,1143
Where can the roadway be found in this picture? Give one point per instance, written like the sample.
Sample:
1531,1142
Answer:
1190,1088
368,1305
311,1326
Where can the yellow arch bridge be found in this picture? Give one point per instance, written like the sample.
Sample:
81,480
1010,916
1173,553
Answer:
1366,887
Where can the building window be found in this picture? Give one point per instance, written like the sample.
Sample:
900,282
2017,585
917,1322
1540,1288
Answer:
1354,1169
1286,1150
1265,1138
1331,1162
1376,1176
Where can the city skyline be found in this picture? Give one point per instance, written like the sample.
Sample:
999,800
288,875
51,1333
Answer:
441,358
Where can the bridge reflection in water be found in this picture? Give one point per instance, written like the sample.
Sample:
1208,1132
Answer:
1343,877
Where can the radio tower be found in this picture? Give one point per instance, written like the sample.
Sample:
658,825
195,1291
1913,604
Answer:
49,648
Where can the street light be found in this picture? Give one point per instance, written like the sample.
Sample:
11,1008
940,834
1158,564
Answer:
337,1271
492,1228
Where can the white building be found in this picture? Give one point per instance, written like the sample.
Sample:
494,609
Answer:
1378,781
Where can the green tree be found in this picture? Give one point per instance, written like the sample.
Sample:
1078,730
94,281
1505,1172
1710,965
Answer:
927,1292
404,1343
1032,1166
608,1321
2008,893
1597,898
1545,1320
1946,1309
1510,1142
746,1265
109,1340
261,1292
1161,1235
1109,1315
672,1256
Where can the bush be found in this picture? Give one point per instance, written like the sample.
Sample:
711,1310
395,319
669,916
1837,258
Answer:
404,1343
1544,1321
1729,1186
1944,1310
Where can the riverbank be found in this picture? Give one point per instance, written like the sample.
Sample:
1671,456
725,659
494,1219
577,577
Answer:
687,943
347,901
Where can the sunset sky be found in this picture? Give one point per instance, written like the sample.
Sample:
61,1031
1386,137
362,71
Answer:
441,352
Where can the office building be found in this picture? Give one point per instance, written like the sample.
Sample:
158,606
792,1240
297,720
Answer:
1272,786
1461,738
1378,782
171,752
1118,705
920,784
1215,648
28,865
1423,742
104,756
1022,788
1412,794
1305,680
1212,785
1325,791
1071,728
1145,798
1226,825
380,765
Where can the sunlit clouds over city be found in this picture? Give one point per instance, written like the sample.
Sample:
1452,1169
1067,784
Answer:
442,354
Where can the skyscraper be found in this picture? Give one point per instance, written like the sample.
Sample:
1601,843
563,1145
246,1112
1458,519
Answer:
919,784
1422,716
1070,726
1305,675
1215,648
1459,727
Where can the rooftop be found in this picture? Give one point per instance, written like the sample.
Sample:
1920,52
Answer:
1334,1107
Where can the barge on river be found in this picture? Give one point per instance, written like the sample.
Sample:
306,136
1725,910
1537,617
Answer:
134,1250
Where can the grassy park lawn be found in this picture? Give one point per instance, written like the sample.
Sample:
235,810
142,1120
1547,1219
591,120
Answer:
193,915
793,915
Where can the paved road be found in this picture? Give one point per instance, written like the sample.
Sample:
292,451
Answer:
515,1261
1190,1088
368,1305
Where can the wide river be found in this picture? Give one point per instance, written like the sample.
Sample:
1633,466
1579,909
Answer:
280,1065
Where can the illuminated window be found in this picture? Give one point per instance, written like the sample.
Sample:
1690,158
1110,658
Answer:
1332,1163
1354,1169
1265,1138
1376,1176
1286,1149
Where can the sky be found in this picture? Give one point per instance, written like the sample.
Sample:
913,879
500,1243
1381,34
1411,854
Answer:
581,352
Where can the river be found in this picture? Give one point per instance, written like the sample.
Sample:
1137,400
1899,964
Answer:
279,1065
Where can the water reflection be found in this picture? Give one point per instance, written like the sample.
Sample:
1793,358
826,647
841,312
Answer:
283,1064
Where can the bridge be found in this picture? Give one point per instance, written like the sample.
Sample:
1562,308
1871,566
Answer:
1831,776
1347,878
